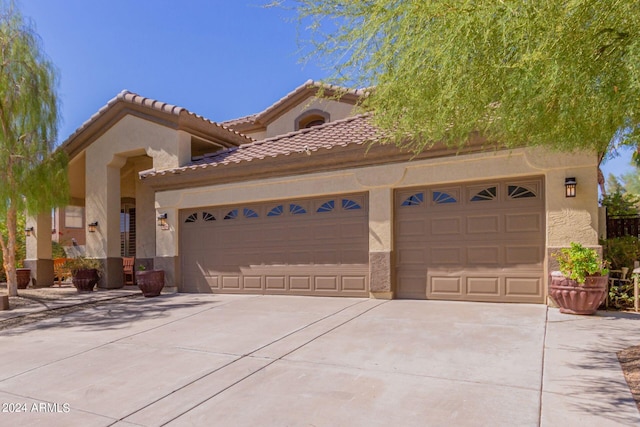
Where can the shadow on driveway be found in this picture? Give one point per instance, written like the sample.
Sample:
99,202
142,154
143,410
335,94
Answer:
111,314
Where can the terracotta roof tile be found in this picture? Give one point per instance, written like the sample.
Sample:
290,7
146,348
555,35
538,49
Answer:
133,98
349,131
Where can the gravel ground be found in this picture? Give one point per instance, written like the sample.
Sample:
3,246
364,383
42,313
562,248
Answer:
630,363
31,296
44,297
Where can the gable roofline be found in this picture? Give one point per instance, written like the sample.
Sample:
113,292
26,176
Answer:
306,90
175,117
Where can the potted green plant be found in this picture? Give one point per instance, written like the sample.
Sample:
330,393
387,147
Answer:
581,284
85,272
150,282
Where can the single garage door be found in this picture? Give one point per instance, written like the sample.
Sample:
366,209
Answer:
301,247
472,242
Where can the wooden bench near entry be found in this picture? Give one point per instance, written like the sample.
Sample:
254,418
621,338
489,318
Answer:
127,270
60,272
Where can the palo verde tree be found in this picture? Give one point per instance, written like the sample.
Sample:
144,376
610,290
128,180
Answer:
562,74
34,178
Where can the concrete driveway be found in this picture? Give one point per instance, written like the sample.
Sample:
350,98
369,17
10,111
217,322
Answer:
224,360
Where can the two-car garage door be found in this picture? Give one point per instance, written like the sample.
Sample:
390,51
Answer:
474,242
303,247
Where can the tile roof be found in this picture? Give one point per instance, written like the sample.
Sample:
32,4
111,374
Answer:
135,99
308,85
340,133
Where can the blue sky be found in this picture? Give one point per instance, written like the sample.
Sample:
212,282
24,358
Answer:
218,58
221,59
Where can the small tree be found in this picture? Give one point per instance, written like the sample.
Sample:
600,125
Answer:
620,203
561,74
33,178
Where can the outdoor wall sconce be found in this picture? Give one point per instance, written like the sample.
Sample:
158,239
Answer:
28,231
162,221
570,187
92,226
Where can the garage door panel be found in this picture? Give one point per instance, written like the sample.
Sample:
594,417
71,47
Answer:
300,283
270,257
212,281
252,282
326,257
446,226
483,255
439,255
523,255
231,282
411,228
326,283
273,234
354,283
445,287
250,235
326,232
483,224
483,286
527,287
522,223
354,230
354,257
488,246
408,256
275,283
412,284
299,233
300,257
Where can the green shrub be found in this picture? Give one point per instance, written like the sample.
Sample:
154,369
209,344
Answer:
622,251
58,250
621,295
620,204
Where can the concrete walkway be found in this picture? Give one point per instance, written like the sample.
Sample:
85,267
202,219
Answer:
224,360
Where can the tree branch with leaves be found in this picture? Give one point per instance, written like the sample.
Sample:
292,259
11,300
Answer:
559,74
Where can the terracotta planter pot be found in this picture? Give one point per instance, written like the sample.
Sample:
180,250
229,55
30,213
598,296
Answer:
575,298
85,280
150,282
24,277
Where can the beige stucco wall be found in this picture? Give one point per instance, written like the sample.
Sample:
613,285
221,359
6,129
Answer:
286,122
568,219
110,175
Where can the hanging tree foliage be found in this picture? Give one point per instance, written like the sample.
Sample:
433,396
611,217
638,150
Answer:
562,74
33,177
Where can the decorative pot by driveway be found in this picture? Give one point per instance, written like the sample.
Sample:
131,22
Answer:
85,280
575,298
24,277
150,282
4,302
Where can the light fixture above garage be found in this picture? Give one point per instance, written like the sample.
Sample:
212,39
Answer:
162,221
93,226
570,187
28,231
